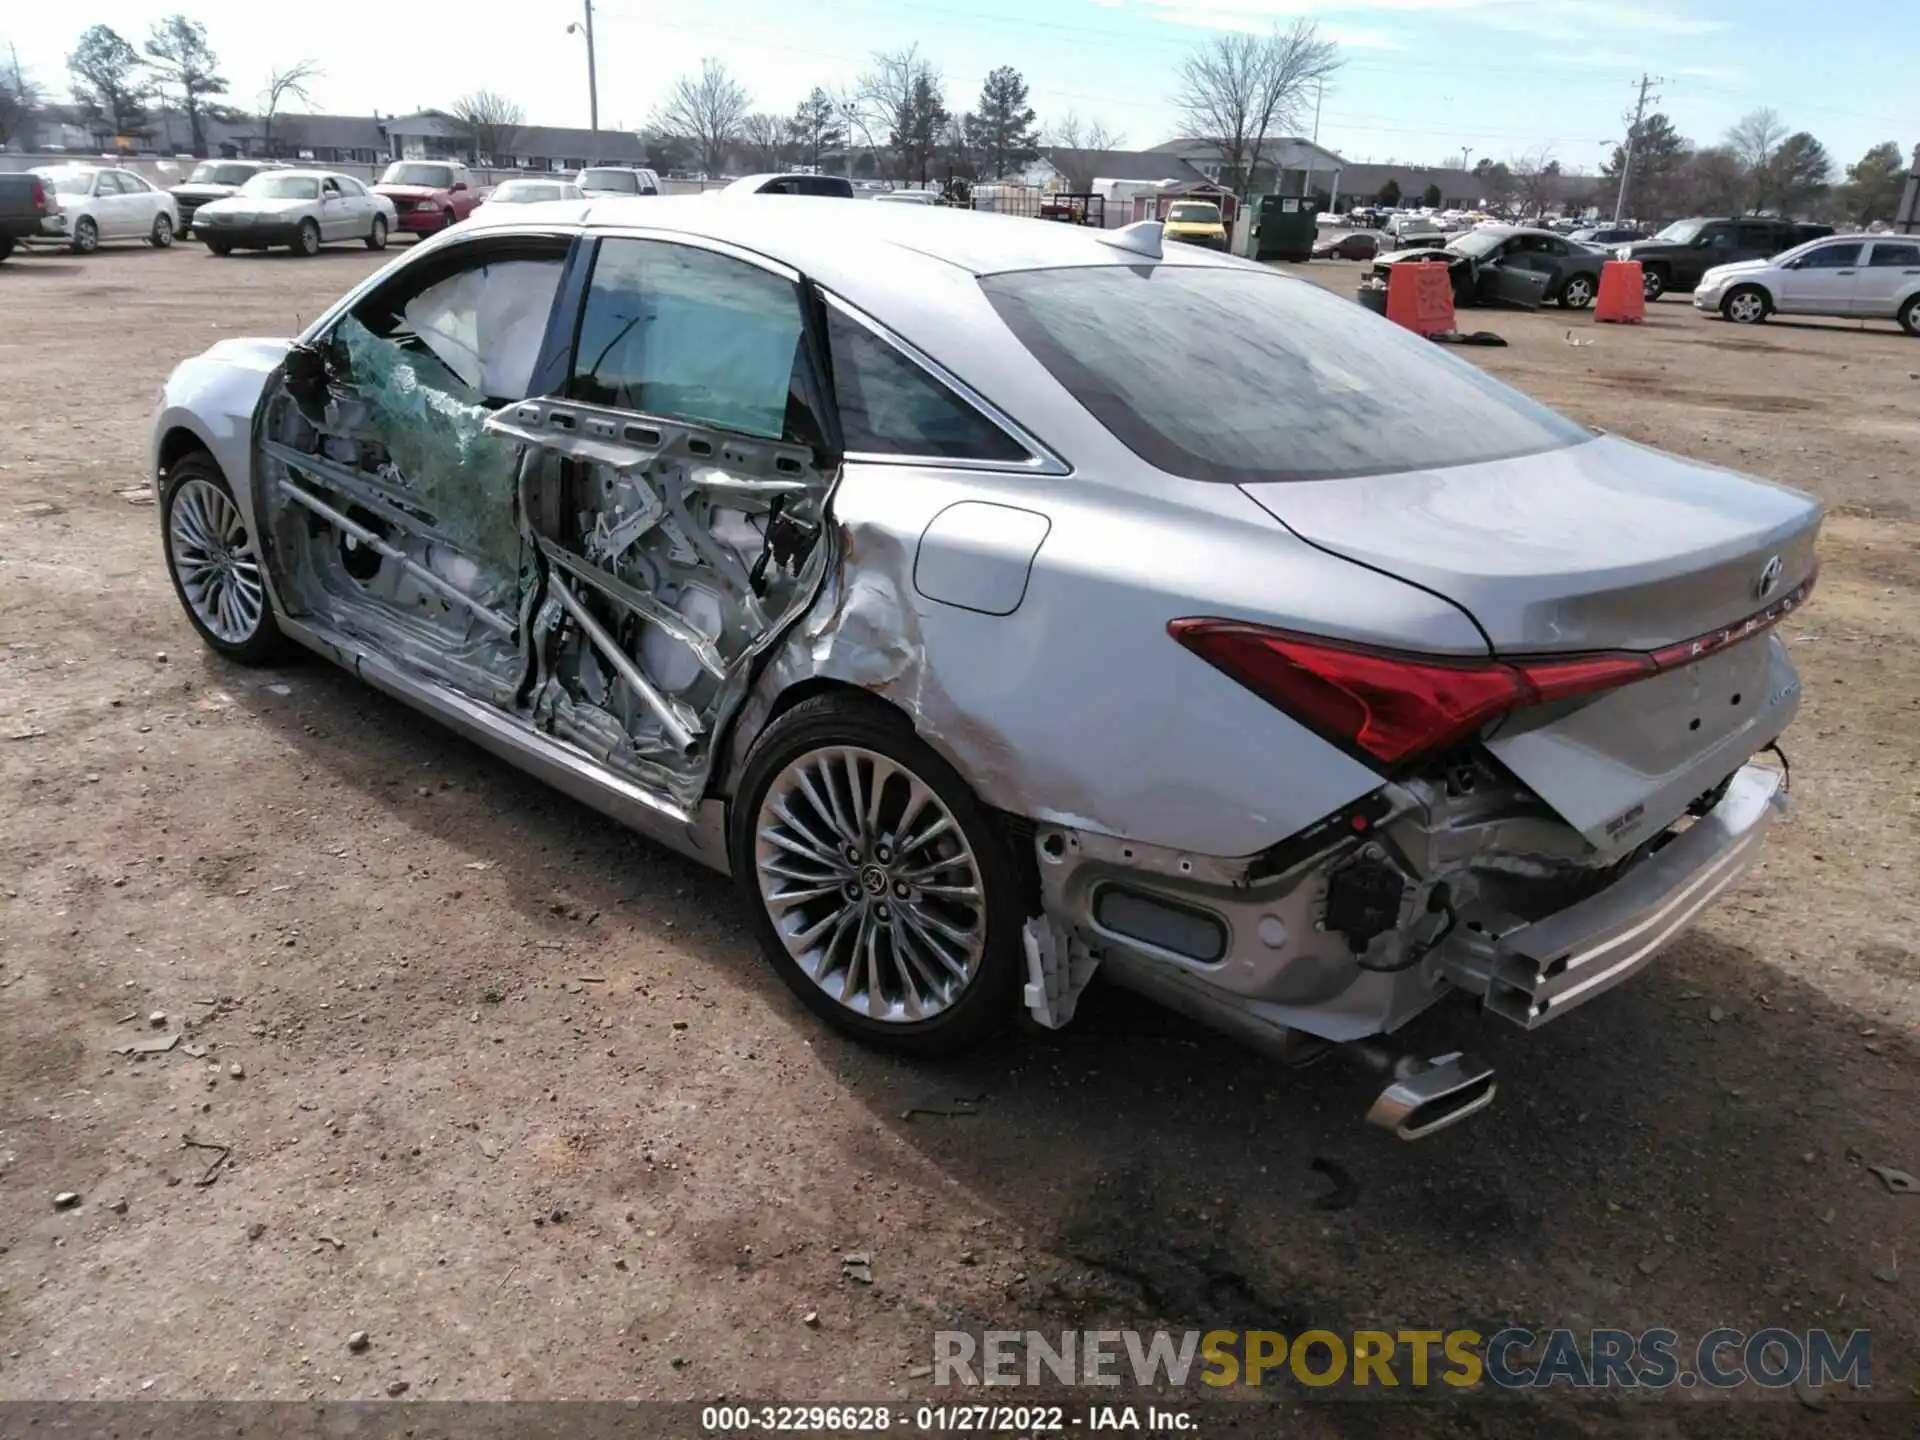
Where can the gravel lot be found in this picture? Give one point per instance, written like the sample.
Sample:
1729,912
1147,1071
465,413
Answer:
509,1089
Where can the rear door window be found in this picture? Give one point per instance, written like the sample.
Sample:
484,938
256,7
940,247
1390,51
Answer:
1893,255
890,406
1245,377
689,334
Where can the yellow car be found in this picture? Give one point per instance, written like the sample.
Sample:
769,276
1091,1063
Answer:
1197,222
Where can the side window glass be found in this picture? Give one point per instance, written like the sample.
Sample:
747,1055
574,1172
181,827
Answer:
1719,237
1894,256
1831,257
689,334
485,324
890,406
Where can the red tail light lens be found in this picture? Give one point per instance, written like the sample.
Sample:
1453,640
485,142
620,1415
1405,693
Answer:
1388,705
39,196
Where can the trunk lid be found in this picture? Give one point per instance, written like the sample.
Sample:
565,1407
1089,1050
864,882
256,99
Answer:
1601,546
1604,545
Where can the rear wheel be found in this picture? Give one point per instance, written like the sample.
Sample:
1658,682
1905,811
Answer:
1910,316
219,247
215,565
377,236
308,240
1746,305
882,892
1577,293
86,235
1653,283
162,235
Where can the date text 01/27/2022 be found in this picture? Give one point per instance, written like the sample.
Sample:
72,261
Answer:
943,1419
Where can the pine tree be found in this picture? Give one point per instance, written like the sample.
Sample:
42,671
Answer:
1001,131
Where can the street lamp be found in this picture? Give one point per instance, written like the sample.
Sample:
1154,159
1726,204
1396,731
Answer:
593,84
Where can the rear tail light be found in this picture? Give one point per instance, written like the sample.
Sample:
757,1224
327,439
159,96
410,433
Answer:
1393,707
39,196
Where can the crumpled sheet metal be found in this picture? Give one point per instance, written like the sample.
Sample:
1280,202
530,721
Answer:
434,427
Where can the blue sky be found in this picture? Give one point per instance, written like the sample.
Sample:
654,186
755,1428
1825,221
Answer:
1424,80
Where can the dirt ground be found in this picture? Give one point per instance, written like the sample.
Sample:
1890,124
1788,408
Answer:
509,1089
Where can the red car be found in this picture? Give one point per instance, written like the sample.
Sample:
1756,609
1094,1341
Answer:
428,195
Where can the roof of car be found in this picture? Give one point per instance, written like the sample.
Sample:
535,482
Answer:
817,235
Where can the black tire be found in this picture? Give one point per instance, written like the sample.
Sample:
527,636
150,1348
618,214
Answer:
86,235
219,247
1653,282
162,236
377,233
1910,316
845,719
265,644
447,219
1746,305
1578,291
6,246
308,241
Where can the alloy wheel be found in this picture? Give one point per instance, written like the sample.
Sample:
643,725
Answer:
86,235
1578,292
870,884
215,561
1746,307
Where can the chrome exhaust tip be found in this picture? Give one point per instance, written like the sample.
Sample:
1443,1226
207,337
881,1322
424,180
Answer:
1430,1095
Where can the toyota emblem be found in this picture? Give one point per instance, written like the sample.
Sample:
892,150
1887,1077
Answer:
1769,580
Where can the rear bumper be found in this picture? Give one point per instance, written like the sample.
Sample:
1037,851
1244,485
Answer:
1540,971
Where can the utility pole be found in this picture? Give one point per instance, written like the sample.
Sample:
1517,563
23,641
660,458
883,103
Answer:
1633,139
593,82
1319,93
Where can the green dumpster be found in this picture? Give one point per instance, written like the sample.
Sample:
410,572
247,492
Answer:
1283,228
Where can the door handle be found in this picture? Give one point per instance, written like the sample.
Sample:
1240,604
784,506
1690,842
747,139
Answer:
1843,272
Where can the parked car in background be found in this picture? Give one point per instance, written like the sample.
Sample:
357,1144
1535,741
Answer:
300,209
1679,255
1356,245
1865,277
214,180
1607,235
1407,686
26,209
428,195
1196,222
531,192
98,204
617,180
1406,231
836,187
1512,265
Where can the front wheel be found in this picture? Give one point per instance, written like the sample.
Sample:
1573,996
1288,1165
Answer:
447,218
377,236
883,893
1746,305
308,240
1653,284
215,565
162,235
1910,316
219,247
86,235
1577,293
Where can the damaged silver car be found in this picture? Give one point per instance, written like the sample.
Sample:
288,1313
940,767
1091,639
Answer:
1001,603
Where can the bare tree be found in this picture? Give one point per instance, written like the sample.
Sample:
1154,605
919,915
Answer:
1238,89
708,109
19,97
1073,133
900,98
765,138
280,84
1753,141
492,124
1533,173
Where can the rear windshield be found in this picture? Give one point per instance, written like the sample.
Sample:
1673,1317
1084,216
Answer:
216,174
627,182
1194,213
529,191
1238,376
431,177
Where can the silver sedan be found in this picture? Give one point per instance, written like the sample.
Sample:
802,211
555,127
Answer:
1004,603
299,209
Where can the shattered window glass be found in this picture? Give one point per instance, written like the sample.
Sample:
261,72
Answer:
684,333
486,324
890,406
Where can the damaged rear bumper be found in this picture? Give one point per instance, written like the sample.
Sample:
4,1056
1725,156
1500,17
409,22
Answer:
1539,971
